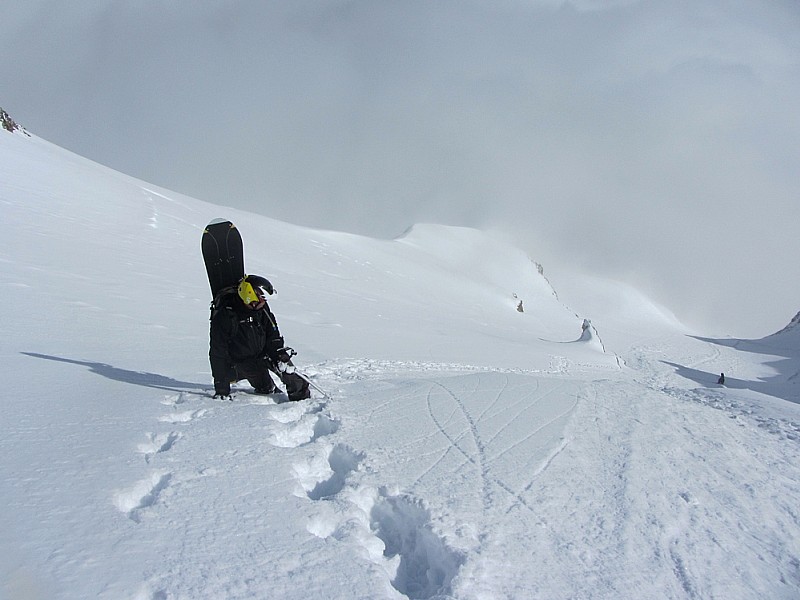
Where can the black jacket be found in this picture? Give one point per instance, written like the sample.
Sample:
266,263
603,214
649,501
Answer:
240,334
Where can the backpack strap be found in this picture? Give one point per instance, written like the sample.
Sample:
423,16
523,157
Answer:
221,299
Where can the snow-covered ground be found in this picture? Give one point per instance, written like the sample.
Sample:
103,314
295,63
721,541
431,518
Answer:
467,450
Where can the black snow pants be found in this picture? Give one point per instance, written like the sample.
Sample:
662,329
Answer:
257,372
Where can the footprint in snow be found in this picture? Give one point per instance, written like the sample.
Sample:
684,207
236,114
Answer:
395,531
299,425
158,443
324,475
142,495
290,412
183,416
175,399
426,565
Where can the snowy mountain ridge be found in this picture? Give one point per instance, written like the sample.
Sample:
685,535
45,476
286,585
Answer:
792,327
465,450
9,124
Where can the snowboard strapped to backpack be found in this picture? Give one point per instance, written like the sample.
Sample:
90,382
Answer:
223,254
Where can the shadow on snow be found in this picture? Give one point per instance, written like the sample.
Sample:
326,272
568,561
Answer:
144,379
783,347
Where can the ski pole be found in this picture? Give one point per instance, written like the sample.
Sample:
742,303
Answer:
314,385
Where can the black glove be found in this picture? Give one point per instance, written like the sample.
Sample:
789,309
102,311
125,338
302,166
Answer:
222,389
284,358
285,354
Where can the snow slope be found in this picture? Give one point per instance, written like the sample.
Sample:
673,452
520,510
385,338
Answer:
467,450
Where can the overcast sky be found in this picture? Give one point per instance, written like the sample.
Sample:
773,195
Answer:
652,141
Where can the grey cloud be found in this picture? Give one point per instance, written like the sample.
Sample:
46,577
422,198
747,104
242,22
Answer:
645,140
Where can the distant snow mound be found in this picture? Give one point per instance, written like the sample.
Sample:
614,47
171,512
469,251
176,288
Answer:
481,256
590,336
491,279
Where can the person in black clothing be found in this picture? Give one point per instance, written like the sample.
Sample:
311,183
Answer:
246,343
